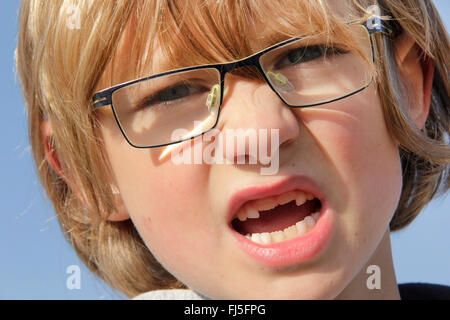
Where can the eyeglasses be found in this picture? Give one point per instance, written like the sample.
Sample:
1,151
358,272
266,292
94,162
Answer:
302,72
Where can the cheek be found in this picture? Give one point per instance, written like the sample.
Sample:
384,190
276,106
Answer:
173,201
353,136
145,183
167,203
172,221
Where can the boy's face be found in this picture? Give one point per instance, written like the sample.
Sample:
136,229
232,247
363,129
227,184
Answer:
341,153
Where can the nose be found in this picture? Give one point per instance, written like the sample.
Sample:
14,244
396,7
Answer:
252,108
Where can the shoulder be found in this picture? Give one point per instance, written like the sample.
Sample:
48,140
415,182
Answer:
171,294
408,291
424,291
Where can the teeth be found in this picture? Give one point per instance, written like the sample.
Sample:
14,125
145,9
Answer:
299,229
300,199
266,204
252,211
247,213
256,237
242,215
265,238
290,232
277,236
310,222
286,197
315,215
309,196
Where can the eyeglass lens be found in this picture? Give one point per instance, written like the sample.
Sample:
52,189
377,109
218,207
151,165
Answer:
305,72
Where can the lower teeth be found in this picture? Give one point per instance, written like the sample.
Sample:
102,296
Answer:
299,229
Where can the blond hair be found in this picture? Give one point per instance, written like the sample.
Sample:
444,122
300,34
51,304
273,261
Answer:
59,68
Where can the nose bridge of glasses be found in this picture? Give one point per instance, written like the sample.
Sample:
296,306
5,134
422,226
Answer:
251,69
247,67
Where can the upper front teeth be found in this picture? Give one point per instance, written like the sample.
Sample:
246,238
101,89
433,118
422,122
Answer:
251,211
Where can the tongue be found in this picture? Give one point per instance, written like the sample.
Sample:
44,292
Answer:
276,219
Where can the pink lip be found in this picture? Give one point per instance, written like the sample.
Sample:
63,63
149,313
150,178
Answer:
290,251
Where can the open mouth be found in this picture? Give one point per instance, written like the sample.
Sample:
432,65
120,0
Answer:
285,222
277,218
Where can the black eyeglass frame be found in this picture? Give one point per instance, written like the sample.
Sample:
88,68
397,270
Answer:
104,97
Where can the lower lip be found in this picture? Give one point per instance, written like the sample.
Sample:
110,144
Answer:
293,251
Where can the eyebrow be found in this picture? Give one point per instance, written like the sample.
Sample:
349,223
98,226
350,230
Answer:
157,62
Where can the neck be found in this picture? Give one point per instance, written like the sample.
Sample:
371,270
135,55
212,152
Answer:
376,280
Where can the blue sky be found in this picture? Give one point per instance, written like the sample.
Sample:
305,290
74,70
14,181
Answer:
35,257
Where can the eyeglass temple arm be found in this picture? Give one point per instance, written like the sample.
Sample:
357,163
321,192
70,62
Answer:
373,25
376,24
101,99
378,27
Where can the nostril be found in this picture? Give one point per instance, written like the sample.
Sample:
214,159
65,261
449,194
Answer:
287,142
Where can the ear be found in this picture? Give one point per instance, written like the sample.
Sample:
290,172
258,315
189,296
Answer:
51,156
417,71
120,213
49,148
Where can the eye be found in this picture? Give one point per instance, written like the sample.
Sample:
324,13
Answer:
178,92
174,93
303,55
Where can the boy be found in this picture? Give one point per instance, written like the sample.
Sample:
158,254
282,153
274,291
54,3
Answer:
357,101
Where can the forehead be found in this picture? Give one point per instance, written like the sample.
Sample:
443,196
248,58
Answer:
187,33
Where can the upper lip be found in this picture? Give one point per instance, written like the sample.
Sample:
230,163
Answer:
265,190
